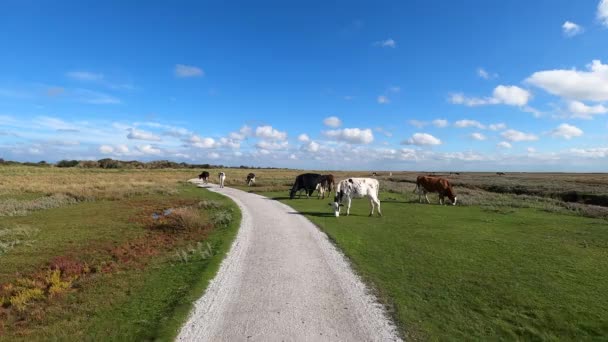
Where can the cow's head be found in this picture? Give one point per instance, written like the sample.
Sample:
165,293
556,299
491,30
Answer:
451,195
292,194
337,203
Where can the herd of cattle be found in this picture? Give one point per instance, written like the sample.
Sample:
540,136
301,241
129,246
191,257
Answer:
350,188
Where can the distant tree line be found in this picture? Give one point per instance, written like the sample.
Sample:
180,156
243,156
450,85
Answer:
108,163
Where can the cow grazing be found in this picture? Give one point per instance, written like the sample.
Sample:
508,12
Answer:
250,179
204,176
426,184
307,182
222,177
326,184
351,188
500,173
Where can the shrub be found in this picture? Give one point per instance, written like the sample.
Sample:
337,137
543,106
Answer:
67,163
20,300
222,218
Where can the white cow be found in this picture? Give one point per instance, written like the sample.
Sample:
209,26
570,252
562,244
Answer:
222,179
357,188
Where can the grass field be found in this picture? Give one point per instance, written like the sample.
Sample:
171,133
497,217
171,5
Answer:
516,260
101,267
473,273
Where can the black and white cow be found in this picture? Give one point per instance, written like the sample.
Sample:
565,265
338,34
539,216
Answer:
307,182
356,188
251,179
222,177
326,184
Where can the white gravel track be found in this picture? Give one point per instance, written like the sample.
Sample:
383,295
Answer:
283,280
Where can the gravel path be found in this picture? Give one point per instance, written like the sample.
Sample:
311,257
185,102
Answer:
283,280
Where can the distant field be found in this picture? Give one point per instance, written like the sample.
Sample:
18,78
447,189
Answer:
515,259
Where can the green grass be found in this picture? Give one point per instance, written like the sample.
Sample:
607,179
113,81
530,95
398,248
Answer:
149,301
469,273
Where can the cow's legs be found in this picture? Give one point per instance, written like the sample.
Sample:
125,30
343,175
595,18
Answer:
349,200
371,204
378,205
427,198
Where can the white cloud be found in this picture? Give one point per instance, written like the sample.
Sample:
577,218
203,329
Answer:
242,134
135,134
483,73
440,123
311,147
508,95
85,76
332,121
383,131
383,99
571,29
582,111
516,136
566,131
272,145
422,139
149,149
417,123
106,149
213,155
182,70
230,143
386,43
303,137
531,150
574,84
469,123
267,132
602,12
200,142
504,144
600,152
351,135
497,126
478,136
93,97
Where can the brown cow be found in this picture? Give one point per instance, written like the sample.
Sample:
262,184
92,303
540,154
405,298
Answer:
426,184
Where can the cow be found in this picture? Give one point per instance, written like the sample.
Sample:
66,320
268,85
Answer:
500,173
222,177
204,176
326,184
351,188
307,182
426,184
250,179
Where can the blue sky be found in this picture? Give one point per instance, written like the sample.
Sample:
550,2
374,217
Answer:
416,85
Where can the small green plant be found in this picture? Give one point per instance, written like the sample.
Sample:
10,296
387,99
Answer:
222,218
55,284
23,297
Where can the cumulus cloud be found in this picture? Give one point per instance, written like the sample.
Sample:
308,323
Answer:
332,121
516,136
303,137
497,126
508,95
591,85
310,147
213,155
106,149
566,131
468,123
200,142
135,134
580,110
478,136
351,135
602,12
182,70
440,123
272,145
483,73
149,149
230,143
571,29
267,132
599,152
383,99
504,144
422,139
242,134
389,43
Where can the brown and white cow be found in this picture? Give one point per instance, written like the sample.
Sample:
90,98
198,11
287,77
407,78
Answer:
426,184
326,184
222,177
250,179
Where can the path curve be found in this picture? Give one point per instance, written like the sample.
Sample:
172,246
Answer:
283,280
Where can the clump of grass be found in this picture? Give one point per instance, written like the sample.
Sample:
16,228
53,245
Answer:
204,251
180,219
12,237
57,285
13,207
209,204
222,218
23,297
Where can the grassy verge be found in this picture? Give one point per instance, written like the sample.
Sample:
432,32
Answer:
473,273
142,274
